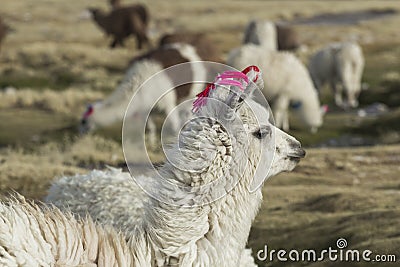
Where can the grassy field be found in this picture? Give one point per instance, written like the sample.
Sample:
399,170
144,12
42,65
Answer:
56,61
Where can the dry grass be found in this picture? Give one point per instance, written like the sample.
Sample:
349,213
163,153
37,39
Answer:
333,193
68,102
30,172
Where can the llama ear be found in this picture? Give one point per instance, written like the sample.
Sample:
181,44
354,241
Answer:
235,99
231,88
253,81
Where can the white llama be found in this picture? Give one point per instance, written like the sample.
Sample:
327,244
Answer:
288,82
341,66
207,208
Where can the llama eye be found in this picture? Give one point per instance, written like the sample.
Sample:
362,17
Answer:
262,133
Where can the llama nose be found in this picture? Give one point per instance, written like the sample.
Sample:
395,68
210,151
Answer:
296,151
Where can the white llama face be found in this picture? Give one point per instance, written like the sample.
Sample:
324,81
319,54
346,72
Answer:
276,151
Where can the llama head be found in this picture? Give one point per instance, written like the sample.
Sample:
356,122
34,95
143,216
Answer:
231,140
112,109
92,118
310,112
85,122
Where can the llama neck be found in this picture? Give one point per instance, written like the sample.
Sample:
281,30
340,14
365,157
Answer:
112,109
106,116
197,234
181,234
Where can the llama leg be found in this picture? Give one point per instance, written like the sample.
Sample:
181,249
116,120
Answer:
352,98
113,43
117,42
352,94
338,91
138,28
317,84
281,106
152,132
285,122
168,104
278,118
175,121
141,39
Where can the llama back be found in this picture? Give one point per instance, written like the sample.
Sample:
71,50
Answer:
110,197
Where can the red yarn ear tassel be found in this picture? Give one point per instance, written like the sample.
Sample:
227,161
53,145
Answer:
252,68
201,97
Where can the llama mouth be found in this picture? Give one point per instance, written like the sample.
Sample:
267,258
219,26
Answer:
297,154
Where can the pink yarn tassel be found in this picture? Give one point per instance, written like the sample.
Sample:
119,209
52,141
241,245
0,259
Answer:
226,78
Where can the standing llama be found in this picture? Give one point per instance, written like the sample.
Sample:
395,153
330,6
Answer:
123,22
207,208
341,66
289,84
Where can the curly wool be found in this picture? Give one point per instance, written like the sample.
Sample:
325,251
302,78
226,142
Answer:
44,236
110,197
